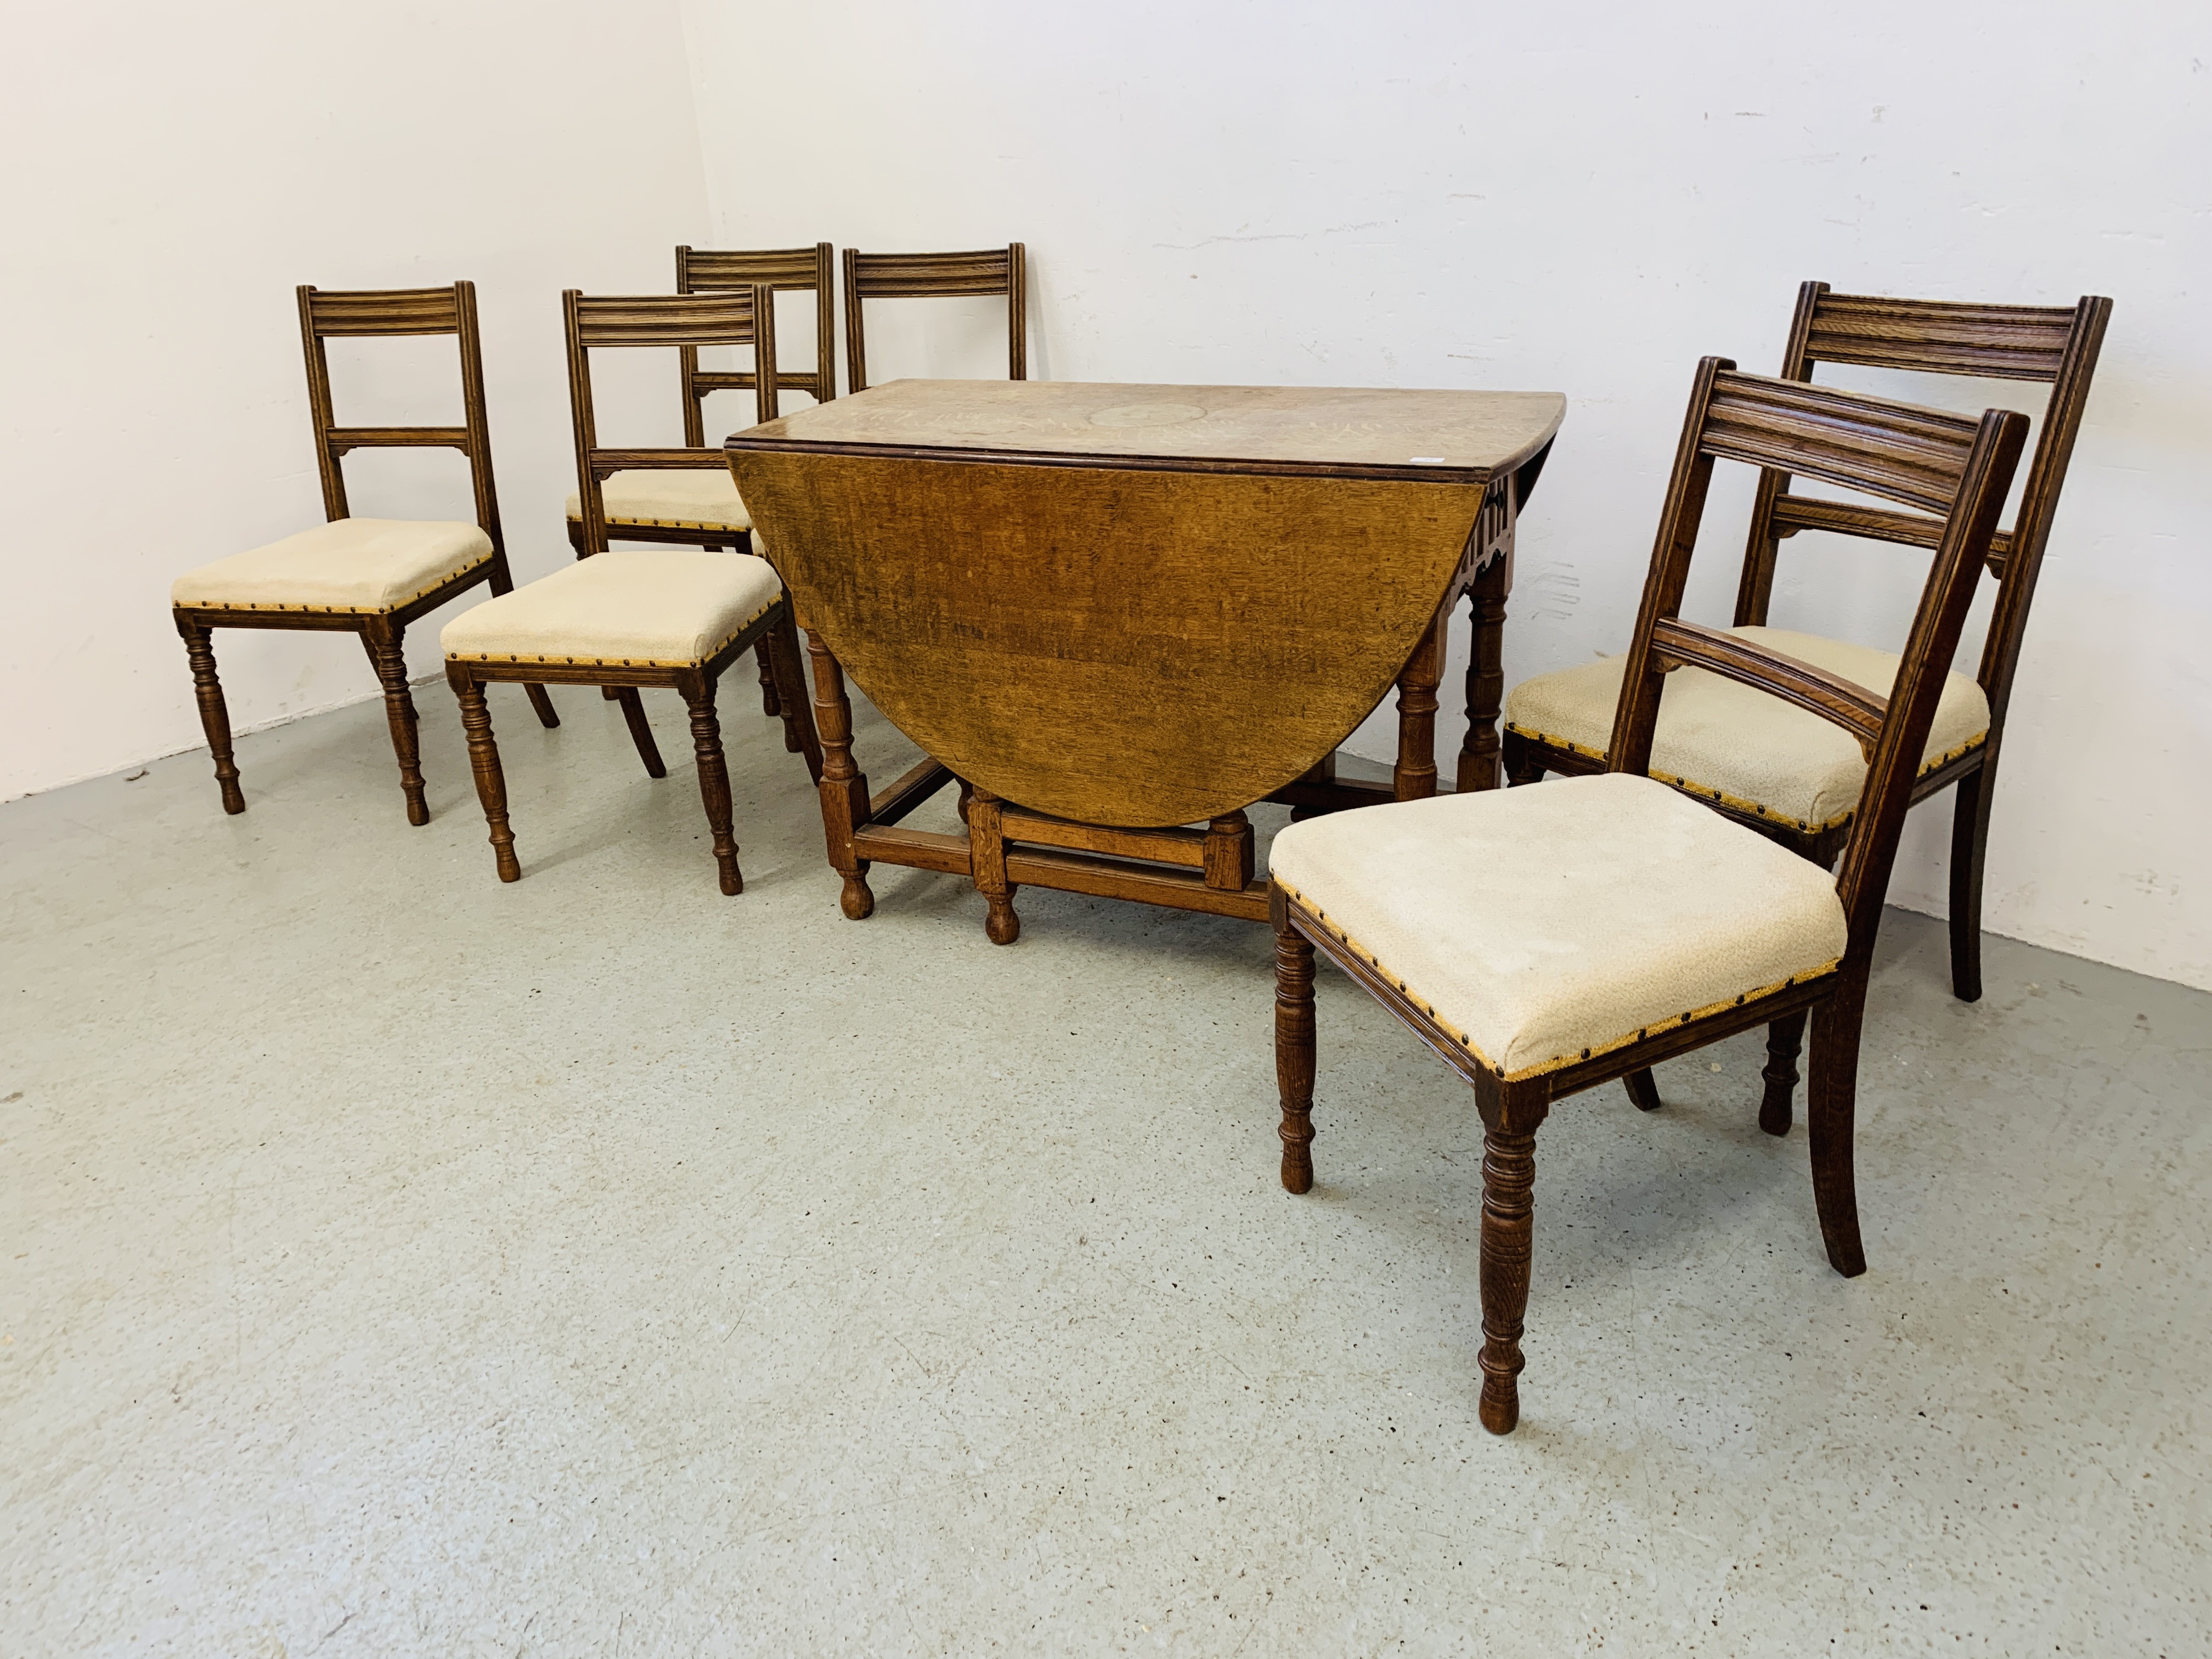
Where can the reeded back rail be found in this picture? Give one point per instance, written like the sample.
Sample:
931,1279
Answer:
931,276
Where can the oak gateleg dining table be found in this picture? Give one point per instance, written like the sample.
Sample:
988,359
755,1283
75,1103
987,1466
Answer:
1116,617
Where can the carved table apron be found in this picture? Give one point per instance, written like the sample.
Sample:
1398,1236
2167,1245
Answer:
1113,613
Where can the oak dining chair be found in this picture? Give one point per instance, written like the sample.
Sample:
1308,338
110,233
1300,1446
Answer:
681,495
936,277
702,510
1544,940
706,512
1779,769
369,577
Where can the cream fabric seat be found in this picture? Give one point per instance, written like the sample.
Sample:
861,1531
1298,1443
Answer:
1543,925
673,499
1749,750
647,607
354,566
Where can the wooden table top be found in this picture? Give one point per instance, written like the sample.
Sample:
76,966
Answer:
1131,606
1345,432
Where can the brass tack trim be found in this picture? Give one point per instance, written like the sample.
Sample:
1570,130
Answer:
1467,1042
329,610
623,662
671,523
1737,802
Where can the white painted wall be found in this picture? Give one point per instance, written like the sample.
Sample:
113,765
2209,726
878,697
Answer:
1577,197
172,173
1586,198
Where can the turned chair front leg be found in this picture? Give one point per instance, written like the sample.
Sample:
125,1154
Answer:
1777,1104
1294,1053
215,713
385,642
713,779
1509,1213
484,761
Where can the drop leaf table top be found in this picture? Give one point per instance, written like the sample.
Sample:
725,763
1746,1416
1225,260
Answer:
1135,607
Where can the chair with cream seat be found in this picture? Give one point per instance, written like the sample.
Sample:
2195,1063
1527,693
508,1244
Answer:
936,277
686,495
673,616
1780,769
701,510
372,577
1545,940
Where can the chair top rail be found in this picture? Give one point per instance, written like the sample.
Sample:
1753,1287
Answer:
1900,452
703,269
663,320
383,311
2011,343
918,276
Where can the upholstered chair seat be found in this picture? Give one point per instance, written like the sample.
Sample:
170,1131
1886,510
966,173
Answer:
354,567
670,498
647,607
1540,926
627,619
1729,743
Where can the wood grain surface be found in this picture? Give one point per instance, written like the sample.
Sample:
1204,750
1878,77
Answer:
1458,437
1115,647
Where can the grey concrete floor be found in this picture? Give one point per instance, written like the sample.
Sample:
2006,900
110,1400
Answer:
396,1263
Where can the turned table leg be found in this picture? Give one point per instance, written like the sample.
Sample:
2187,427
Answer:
844,786
1486,679
1414,776
987,860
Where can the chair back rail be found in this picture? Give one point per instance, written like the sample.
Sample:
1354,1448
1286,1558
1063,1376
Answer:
1957,467
1678,644
2056,345
679,320
788,270
936,276
348,313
